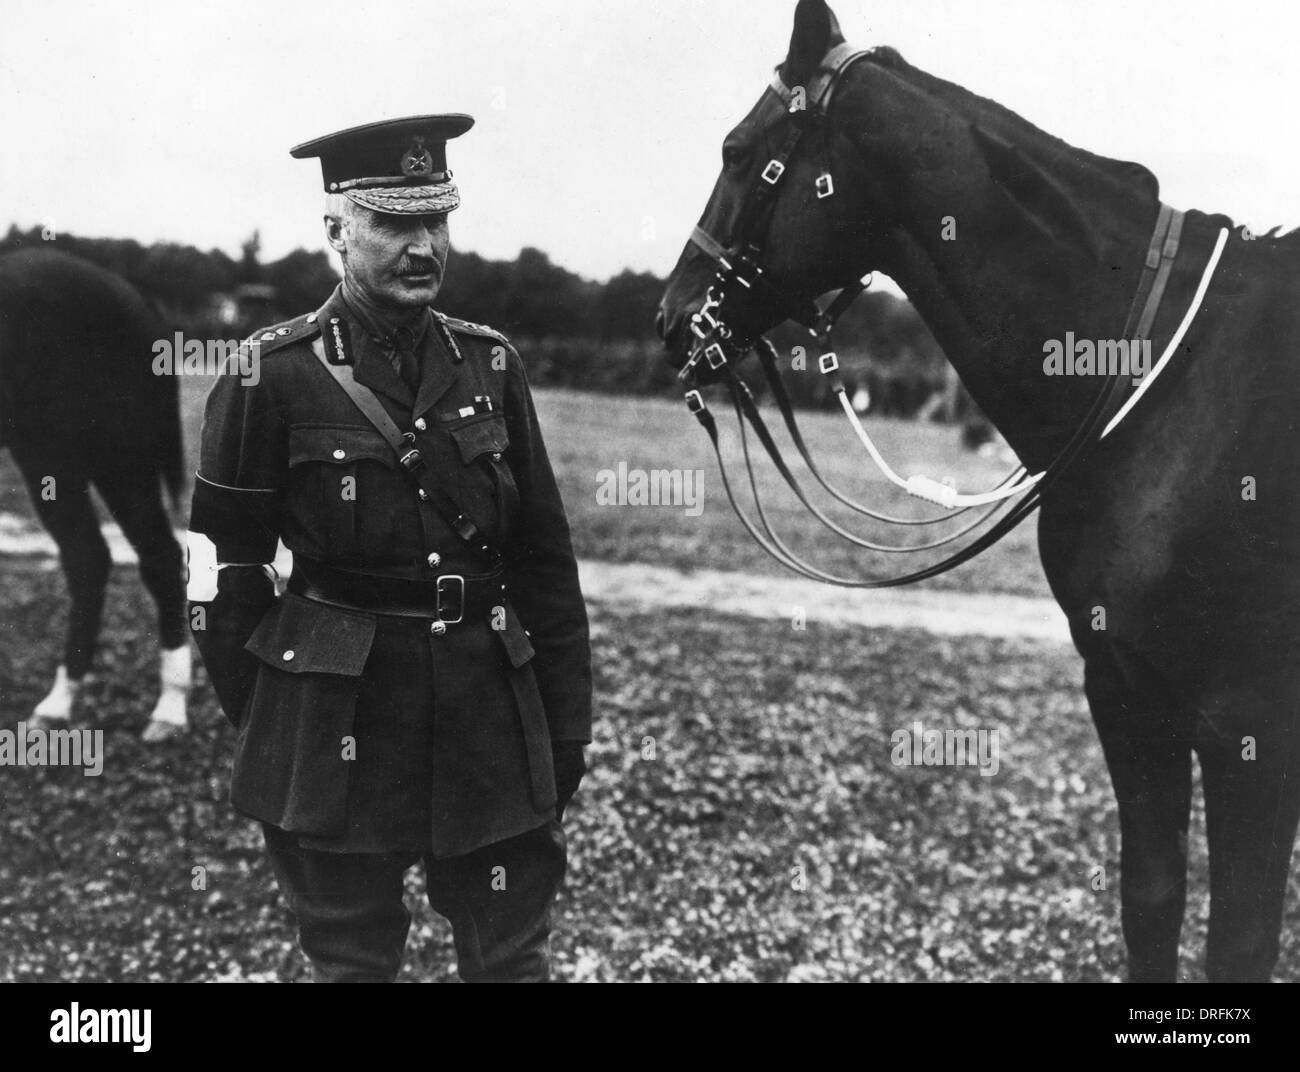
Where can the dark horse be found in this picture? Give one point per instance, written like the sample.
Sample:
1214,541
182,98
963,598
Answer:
80,406
1173,545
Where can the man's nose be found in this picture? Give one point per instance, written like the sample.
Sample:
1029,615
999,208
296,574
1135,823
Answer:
423,238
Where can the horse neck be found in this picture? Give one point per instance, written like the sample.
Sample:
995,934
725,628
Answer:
993,286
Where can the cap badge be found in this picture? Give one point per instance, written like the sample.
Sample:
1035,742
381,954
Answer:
417,161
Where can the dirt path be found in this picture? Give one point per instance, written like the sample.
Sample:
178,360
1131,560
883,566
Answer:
620,587
633,586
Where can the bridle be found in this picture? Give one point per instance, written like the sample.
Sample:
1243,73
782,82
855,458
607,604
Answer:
739,272
739,268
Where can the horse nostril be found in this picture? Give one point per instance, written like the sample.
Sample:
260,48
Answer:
660,321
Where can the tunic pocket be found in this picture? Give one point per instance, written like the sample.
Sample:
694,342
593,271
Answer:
292,760
337,445
487,486
484,433
339,467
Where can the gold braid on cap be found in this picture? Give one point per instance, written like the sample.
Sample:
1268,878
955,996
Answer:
408,200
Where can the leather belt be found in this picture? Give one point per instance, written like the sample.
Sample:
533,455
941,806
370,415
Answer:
451,598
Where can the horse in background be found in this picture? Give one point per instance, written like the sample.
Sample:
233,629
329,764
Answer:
1171,545
81,407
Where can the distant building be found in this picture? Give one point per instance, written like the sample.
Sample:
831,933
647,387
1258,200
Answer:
248,306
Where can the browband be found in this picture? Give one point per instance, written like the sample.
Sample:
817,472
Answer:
818,92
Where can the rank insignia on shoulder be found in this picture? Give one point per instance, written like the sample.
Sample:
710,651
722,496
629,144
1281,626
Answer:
470,328
449,337
299,329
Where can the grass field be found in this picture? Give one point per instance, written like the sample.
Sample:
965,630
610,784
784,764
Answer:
770,751
742,819
587,433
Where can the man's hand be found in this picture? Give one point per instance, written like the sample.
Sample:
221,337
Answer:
570,766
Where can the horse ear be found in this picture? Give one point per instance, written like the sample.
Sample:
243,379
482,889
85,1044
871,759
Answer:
1047,205
816,32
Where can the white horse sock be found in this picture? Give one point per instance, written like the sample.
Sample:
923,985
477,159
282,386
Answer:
174,675
62,695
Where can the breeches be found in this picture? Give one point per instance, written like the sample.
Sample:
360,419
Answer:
352,923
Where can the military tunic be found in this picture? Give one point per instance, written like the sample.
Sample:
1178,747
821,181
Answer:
359,730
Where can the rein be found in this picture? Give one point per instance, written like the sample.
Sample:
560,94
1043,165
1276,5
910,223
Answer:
740,272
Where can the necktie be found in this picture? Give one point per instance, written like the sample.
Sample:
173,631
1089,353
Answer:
402,355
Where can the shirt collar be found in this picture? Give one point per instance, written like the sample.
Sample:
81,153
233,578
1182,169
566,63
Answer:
372,319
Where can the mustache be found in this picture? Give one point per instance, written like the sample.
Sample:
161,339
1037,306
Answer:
418,266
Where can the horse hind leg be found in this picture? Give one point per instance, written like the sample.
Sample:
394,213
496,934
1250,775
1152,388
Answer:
64,506
135,499
1150,765
1251,772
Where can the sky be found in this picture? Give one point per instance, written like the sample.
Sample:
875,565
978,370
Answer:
599,123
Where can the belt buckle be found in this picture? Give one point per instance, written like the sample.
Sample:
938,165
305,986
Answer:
459,597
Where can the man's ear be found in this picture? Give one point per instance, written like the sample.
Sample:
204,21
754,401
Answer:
334,234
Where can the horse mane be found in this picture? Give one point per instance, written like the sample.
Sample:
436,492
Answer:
997,118
1039,143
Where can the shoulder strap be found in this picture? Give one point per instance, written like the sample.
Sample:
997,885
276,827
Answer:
408,455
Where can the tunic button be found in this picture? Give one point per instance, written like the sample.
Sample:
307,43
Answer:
340,454
424,495
434,560
288,655
421,424
438,628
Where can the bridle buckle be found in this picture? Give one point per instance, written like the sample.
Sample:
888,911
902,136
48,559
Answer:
825,185
773,172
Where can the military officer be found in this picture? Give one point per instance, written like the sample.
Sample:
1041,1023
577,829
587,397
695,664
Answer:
422,688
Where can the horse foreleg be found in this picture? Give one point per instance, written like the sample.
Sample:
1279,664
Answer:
1250,765
135,499
1150,765
64,507
169,717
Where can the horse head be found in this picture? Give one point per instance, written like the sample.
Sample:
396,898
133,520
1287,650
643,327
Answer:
853,162
813,237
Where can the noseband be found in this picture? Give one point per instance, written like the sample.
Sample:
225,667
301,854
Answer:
740,272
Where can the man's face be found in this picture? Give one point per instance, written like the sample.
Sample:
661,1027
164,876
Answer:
393,260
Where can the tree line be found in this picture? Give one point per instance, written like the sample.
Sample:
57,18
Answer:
572,331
